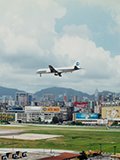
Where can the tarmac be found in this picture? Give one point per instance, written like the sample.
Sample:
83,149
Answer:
30,136
9,132
34,154
16,134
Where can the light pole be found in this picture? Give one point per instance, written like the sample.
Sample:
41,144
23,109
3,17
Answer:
44,145
114,150
100,147
90,144
13,142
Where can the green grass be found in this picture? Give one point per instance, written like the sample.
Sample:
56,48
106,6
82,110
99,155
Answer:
79,138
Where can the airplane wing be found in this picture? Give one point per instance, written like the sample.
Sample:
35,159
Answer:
53,70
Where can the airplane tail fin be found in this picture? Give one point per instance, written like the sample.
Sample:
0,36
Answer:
76,66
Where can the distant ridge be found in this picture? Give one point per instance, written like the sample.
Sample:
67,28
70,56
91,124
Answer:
106,92
59,93
8,91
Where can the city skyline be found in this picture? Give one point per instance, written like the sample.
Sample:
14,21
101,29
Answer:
35,34
60,93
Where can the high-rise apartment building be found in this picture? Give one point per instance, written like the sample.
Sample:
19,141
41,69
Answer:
22,98
65,98
75,98
49,97
96,95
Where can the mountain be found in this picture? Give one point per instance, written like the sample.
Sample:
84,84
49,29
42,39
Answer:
8,91
106,92
60,92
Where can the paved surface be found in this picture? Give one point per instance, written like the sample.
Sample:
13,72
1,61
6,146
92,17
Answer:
34,154
30,136
104,157
6,132
18,135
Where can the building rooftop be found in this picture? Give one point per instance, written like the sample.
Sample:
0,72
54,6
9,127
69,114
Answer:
63,156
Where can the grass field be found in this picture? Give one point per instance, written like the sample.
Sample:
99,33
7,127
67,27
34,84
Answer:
74,138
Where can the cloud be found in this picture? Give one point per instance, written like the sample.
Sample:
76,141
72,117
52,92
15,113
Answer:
80,31
110,6
30,27
95,60
28,41
116,29
100,68
26,37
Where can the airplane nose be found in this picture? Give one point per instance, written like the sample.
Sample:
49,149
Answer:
37,72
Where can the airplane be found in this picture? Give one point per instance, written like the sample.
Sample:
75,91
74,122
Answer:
58,71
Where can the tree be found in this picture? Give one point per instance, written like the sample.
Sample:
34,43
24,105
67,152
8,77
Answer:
39,119
115,123
78,123
84,156
55,120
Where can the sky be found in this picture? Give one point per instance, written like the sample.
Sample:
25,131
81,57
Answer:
38,33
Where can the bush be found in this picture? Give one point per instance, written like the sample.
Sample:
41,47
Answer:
5,121
39,119
68,123
75,123
115,123
78,123
51,122
84,156
55,120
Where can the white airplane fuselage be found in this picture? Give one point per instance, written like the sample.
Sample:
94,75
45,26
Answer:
58,71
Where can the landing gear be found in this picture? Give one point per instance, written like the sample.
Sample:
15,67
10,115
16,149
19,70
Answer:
58,74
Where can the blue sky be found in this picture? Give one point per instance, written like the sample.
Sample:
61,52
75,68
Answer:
98,20
36,33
